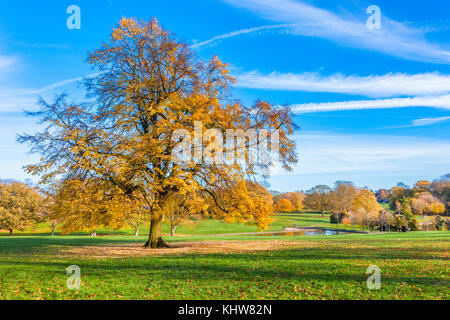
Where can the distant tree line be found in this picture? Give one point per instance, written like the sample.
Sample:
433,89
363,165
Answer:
80,205
351,206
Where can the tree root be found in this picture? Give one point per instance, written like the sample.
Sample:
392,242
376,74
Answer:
156,245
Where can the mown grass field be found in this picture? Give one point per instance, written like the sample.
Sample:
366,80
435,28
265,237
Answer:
413,265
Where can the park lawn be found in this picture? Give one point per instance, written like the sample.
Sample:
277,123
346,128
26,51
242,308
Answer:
413,266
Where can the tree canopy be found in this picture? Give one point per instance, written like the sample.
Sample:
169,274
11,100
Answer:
20,206
148,86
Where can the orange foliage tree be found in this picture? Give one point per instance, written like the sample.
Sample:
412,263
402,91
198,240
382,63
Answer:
20,206
284,205
148,86
366,200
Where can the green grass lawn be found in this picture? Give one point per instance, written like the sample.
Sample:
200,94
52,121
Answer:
413,266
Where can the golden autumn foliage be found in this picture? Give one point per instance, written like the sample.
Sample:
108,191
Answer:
295,198
20,206
248,202
427,204
183,208
422,186
284,205
87,205
435,208
81,206
366,199
148,86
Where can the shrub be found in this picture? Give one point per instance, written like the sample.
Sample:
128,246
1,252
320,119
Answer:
336,218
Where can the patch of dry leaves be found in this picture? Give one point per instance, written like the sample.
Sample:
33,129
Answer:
197,247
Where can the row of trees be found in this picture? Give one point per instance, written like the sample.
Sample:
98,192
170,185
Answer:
424,198
76,205
352,206
346,203
355,206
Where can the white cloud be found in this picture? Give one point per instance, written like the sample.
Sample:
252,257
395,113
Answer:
393,38
388,85
7,62
424,122
428,121
442,101
239,32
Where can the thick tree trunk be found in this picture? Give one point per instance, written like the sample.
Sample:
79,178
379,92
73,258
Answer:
53,230
136,231
94,233
323,214
11,231
154,238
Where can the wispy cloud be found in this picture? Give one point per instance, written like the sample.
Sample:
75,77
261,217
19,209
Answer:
7,65
24,92
388,85
393,38
7,62
12,100
424,122
428,121
240,32
442,102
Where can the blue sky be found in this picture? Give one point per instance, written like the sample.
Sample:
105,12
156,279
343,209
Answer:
373,106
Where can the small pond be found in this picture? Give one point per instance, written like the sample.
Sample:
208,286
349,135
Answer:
309,232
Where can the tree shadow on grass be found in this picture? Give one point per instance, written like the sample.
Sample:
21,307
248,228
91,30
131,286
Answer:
33,244
336,251
282,265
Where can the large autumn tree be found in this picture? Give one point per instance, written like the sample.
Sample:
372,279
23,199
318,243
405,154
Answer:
148,86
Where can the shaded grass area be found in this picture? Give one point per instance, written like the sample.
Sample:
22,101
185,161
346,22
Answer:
413,266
